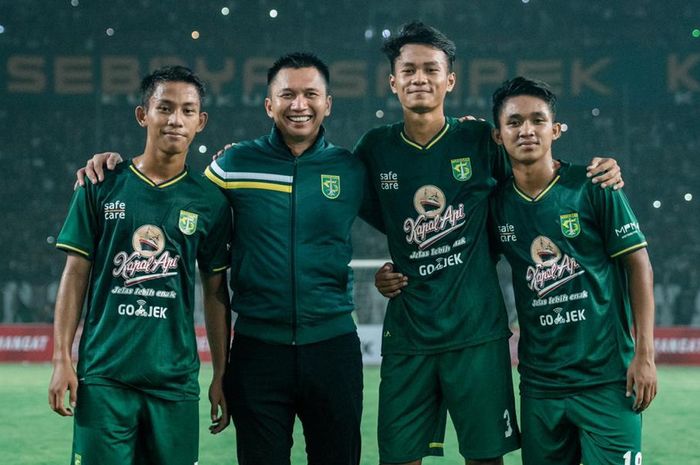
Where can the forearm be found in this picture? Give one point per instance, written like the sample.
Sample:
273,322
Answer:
641,288
69,304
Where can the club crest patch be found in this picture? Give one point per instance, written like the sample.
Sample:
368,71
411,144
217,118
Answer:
330,185
570,225
187,222
462,168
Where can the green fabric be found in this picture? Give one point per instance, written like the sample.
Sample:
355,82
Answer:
434,204
291,249
571,295
143,242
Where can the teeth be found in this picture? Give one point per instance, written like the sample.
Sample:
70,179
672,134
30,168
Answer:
300,119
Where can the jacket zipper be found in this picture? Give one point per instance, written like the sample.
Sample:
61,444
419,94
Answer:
292,253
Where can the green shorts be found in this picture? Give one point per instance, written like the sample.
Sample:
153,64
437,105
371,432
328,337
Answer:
473,384
118,426
594,427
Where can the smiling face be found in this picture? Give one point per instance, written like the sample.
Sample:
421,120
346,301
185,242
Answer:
527,129
172,117
421,78
297,102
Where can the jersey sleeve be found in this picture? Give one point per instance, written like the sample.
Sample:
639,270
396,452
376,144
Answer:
500,163
79,233
369,209
619,226
213,255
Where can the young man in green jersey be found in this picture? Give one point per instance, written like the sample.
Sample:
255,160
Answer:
584,294
445,338
133,243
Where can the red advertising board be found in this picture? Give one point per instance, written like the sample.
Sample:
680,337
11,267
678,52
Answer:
34,343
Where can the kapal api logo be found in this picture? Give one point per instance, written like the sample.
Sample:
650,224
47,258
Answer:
148,261
435,218
552,268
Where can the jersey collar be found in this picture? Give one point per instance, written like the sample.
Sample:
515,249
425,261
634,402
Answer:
431,142
162,185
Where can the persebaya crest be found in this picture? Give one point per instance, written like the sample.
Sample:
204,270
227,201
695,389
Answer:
570,225
330,185
462,168
188,222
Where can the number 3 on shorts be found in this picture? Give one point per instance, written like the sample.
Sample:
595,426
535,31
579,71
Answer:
509,427
637,458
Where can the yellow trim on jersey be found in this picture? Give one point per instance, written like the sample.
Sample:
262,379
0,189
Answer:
73,249
247,184
433,142
151,183
436,445
540,195
216,270
629,249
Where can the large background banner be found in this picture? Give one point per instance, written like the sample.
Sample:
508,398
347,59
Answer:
34,343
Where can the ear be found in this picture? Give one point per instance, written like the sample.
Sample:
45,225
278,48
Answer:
556,130
392,84
140,114
451,80
203,118
268,107
496,136
329,104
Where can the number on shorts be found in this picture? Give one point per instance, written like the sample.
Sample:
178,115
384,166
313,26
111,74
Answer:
637,458
509,428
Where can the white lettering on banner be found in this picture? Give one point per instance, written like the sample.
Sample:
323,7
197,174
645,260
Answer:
677,345
24,343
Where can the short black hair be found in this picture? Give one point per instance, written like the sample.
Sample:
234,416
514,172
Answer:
170,74
522,86
416,32
299,60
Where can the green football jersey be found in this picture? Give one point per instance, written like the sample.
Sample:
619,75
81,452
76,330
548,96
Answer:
143,241
434,205
570,287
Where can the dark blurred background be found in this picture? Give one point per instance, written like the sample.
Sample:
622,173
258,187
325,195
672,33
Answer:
627,73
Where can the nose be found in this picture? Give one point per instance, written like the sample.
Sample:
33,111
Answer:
527,128
175,118
419,76
299,103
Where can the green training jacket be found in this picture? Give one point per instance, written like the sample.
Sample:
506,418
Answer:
291,246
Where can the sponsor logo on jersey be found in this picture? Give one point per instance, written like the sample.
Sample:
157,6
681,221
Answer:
147,261
570,225
330,185
140,310
115,210
440,263
561,317
506,232
77,459
389,181
435,219
187,222
627,230
462,168
552,268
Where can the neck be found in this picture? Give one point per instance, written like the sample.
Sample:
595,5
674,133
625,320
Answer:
158,166
534,178
299,146
422,127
